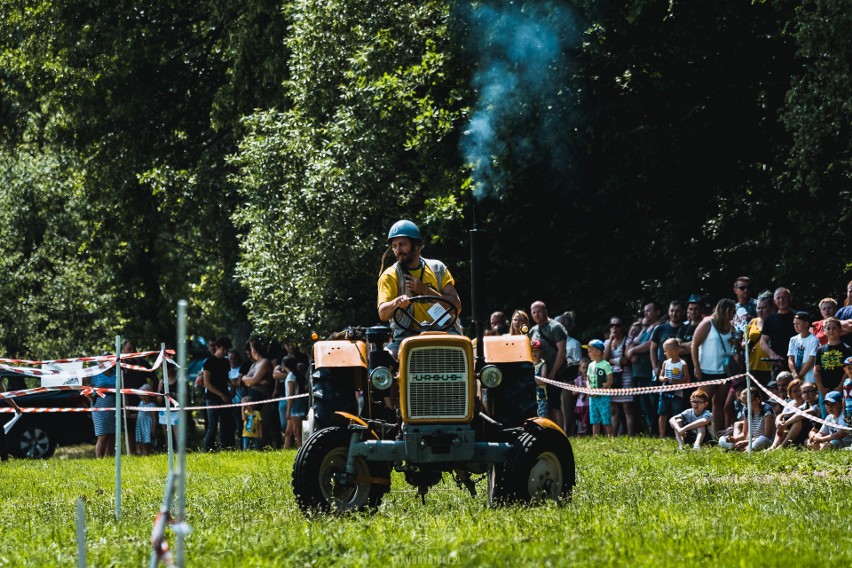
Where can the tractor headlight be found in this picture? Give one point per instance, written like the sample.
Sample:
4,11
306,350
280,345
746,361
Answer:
491,376
381,378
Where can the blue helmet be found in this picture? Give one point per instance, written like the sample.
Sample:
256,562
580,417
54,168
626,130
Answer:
404,229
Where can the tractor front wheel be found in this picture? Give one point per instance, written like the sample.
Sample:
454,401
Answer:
320,479
540,467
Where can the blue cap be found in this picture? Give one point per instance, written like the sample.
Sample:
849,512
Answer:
847,361
833,397
404,228
597,344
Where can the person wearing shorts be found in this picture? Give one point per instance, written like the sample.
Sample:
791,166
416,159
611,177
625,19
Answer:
600,377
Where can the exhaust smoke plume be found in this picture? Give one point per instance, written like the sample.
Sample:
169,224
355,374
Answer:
520,117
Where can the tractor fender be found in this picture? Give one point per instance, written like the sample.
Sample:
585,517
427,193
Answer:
539,423
355,419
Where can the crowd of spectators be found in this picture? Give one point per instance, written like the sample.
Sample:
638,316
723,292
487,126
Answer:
265,370
801,356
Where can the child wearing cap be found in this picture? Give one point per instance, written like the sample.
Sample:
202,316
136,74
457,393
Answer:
540,367
600,377
692,425
801,351
833,435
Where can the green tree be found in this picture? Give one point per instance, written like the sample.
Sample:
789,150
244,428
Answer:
371,137
52,293
816,189
144,103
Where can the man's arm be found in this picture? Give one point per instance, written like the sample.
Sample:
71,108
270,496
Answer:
559,361
205,375
764,345
697,339
639,348
386,309
448,292
653,349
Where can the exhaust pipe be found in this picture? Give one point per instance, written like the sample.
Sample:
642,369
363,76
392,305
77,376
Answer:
478,294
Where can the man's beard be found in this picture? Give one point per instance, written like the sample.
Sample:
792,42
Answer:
403,258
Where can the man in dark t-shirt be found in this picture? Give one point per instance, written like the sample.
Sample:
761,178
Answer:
672,329
777,330
215,376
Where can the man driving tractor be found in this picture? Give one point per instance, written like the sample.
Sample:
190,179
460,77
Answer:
409,277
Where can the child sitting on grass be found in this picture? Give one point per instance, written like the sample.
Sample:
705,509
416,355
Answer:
790,426
693,425
600,377
830,437
581,407
762,426
252,427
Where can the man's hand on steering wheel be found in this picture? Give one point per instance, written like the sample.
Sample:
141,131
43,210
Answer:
444,322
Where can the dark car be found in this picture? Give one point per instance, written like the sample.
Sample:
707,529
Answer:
36,435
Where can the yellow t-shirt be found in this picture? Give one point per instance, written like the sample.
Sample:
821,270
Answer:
251,425
756,353
389,286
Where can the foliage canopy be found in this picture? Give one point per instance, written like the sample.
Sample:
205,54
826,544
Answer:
251,156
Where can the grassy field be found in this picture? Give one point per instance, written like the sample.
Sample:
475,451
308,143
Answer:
637,502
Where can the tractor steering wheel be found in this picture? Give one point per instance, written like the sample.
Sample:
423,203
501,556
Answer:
444,322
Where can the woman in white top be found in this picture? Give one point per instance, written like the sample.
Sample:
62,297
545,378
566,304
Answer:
711,343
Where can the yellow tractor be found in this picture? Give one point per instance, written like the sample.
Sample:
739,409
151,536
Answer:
438,409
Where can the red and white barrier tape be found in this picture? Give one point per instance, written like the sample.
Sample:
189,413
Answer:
86,359
637,390
56,374
232,405
101,392
105,362
798,411
682,386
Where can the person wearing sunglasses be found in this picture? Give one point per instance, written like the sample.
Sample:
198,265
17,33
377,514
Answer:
746,305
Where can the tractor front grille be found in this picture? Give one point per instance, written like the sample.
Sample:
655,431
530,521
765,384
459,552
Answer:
437,383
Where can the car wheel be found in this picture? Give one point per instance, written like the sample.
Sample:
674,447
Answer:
33,442
320,481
